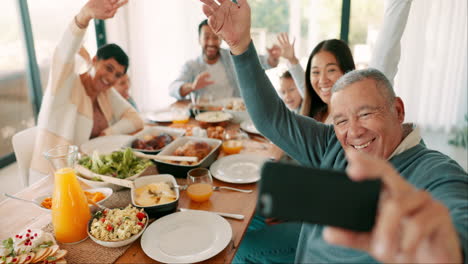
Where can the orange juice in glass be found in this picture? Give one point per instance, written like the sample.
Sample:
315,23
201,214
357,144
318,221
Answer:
180,116
233,146
233,141
70,211
200,184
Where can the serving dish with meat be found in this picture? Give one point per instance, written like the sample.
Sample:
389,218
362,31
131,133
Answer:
205,149
152,140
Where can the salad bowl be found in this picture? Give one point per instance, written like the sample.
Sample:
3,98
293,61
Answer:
111,226
115,170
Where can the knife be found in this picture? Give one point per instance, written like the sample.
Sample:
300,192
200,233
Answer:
234,216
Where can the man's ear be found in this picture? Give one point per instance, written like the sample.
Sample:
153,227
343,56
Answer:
400,109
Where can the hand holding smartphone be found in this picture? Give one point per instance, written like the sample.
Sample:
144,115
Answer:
326,197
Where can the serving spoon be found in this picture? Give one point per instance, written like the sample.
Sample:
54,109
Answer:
40,205
165,157
21,199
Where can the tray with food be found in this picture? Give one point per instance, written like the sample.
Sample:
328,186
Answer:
204,149
152,140
112,170
31,246
156,194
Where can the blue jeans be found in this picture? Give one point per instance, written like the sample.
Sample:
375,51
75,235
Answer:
268,244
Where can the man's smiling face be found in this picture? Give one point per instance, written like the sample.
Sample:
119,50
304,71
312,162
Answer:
365,120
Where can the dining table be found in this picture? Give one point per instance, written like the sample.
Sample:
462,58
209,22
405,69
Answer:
17,215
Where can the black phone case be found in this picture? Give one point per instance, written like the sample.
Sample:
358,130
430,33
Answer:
326,197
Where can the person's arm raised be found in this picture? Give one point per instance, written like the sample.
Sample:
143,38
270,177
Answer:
287,48
98,9
387,49
268,112
231,21
296,70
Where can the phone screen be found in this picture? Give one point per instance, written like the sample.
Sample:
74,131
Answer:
326,197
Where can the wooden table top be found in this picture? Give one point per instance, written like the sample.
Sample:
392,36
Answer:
18,215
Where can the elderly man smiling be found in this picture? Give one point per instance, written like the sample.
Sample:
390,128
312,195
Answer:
423,208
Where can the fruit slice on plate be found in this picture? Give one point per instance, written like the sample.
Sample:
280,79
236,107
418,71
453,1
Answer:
60,261
53,250
29,257
41,254
60,253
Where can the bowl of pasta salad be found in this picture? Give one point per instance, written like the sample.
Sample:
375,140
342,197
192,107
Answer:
117,227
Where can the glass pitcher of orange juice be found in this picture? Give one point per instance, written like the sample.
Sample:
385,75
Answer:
70,211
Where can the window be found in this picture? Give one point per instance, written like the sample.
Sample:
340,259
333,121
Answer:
308,21
48,32
16,112
365,21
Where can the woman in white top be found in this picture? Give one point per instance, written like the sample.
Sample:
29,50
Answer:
77,107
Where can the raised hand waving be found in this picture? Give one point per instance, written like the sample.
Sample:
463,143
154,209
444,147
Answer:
230,21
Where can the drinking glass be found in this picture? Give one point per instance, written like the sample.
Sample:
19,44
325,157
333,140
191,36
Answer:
180,115
233,141
70,211
200,184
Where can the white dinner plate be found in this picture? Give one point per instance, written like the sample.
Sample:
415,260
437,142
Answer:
106,144
164,115
248,126
239,168
186,237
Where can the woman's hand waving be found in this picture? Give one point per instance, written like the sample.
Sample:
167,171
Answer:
98,9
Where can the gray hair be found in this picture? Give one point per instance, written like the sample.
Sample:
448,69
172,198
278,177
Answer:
381,82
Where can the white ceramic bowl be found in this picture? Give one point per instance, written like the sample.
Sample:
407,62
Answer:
115,244
238,116
106,191
159,209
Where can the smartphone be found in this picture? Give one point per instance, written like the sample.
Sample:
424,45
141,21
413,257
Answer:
326,197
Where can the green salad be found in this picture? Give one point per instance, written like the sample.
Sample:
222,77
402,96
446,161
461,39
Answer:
120,164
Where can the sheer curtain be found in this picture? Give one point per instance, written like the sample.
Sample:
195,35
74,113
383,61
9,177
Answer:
159,37
432,74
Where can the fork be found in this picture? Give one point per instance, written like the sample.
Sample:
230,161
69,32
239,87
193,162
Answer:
216,188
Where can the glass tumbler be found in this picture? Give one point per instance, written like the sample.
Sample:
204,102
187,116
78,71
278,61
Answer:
200,184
